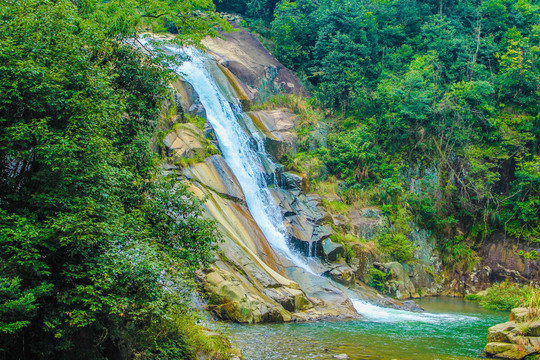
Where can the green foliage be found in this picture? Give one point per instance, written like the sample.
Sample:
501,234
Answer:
458,253
521,215
504,296
336,207
397,246
97,251
379,279
434,109
353,155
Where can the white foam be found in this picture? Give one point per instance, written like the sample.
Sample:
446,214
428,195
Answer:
380,314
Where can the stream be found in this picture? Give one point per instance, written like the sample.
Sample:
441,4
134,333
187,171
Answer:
451,328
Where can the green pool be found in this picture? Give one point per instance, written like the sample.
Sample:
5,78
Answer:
449,329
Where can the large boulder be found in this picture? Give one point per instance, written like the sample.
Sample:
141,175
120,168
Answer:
277,128
185,141
242,53
342,273
400,284
515,339
186,99
502,332
506,350
519,315
331,251
230,301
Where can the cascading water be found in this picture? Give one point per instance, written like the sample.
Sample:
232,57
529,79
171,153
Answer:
236,147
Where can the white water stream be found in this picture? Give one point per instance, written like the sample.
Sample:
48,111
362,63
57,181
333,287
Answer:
240,153
387,315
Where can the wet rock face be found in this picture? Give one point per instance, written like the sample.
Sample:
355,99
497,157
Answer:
515,339
303,218
186,99
277,128
244,55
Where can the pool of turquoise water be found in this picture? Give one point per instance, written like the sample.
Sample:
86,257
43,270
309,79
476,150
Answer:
451,328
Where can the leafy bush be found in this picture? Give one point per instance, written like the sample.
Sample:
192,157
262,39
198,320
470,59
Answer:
379,279
503,296
397,246
97,249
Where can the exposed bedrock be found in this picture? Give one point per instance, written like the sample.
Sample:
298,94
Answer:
259,74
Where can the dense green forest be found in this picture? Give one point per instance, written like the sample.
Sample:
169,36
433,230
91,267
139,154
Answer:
97,249
445,93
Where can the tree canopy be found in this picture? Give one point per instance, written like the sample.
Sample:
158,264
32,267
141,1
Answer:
451,86
97,249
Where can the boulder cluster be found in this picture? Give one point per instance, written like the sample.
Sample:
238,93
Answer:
517,338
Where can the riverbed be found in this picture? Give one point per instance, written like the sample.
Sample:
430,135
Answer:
451,328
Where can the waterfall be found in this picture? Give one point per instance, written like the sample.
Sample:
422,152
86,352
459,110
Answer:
244,159
243,150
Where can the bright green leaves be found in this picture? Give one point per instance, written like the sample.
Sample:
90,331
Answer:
522,206
93,247
519,63
293,33
191,20
353,156
450,88
18,306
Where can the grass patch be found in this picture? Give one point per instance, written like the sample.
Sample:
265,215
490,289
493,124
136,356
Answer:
336,207
506,296
328,188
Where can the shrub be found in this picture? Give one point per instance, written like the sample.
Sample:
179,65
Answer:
379,279
506,296
397,246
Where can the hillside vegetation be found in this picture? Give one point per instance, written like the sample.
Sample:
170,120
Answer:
432,108
97,250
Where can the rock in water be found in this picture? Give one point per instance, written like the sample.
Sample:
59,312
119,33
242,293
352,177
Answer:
341,356
515,339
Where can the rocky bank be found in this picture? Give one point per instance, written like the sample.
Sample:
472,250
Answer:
519,338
